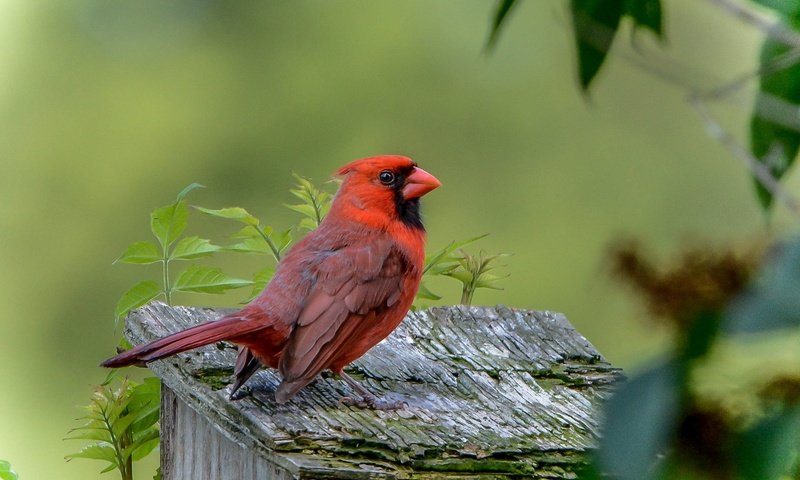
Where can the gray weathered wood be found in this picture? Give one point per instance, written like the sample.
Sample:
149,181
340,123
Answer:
490,393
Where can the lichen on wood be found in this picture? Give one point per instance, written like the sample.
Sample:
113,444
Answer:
491,392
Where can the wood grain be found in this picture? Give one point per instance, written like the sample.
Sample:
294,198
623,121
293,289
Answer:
491,392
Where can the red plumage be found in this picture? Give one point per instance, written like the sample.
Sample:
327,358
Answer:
336,293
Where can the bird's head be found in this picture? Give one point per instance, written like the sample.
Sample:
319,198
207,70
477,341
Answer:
382,189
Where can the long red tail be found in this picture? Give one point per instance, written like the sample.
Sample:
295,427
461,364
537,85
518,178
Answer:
194,337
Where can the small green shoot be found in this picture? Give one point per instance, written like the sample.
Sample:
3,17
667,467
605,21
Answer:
474,272
6,472
121,424
440,262
314,203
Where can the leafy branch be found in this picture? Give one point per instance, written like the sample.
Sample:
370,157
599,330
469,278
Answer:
121,422
314,203
167,224
474,272
774,128
452,261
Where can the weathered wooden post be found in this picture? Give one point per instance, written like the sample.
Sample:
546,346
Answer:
491,393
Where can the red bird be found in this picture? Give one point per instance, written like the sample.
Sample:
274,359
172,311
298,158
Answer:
339,291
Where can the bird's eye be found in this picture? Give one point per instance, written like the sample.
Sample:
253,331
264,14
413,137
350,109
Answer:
386,177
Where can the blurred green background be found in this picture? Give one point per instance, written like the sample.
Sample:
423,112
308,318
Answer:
108,109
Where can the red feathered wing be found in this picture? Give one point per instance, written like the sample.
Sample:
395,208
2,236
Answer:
360,294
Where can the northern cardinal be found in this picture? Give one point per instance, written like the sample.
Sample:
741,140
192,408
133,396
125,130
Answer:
338,292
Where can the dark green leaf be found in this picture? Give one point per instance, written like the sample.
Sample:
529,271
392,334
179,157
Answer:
137,296
774,126
503,9
773,302
205,279
595,23
701,335
232,213
193,247
140,253
639,422
788,9
766,451
645,14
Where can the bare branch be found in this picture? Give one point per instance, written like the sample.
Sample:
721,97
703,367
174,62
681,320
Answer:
757,169
773,29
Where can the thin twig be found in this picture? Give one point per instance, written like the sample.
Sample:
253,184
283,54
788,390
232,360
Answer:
773,29
757,169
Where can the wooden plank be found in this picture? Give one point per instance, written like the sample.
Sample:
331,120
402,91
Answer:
493,392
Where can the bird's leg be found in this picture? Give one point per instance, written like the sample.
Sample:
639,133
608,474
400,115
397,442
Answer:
368,399
246,365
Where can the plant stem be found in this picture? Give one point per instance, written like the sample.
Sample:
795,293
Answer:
165,272
275,252
317,208
466,295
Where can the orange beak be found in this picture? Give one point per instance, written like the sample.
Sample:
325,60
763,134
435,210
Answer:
419,183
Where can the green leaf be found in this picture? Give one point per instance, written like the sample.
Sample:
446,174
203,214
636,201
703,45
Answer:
233,213
205,279
788,9
701,334
766,450
193,247
137,296
283,240
96,451
426,294
140,253
143,449
773,301
640,419
503,10
167,223
305,209
595,23
445,254
250,245
774,125
6,472
314,205
646,14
